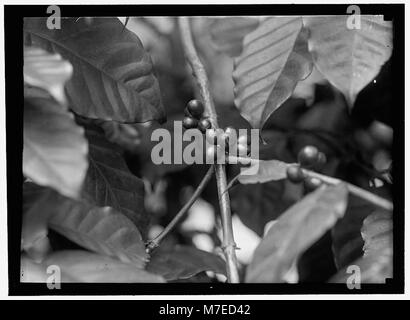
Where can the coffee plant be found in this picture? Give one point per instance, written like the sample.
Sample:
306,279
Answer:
319,195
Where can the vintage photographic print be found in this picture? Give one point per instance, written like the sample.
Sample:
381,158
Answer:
185,149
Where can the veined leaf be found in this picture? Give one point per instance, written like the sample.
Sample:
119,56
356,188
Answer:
47,71
349,58
377,262
275,57
113,77
227,33
55,150
109,181
102,230
83,266
183,262
377,232
125,135
295,231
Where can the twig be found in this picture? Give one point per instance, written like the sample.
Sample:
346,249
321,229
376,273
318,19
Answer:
228,243
359,192
154,243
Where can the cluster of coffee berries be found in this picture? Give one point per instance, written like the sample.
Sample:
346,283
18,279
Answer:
227,138
217,139
193,116
309,158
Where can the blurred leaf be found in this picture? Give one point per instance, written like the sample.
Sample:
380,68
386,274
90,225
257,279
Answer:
183,262
125,135
305,89
267,170
55,150
347,242
377,262
109,181
260,203
274,59
83,266
113,77
349,58
295,231
227,33
47,71
31,271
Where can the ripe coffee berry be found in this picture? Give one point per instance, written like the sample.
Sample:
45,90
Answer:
295,174
321,158
211,136
189,123
195,108
204,124
187,113
244,140
312,183
308,156
243,150
230,136
212,153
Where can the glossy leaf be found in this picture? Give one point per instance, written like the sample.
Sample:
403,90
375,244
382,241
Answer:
183,262
83,266
47,71
113,77
103,230
55,150
109,181
295,231
275,57
227,34
349,57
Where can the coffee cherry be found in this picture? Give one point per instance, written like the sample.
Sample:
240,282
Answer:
312,183
189,123
308,156
242,150
321,158
245,161
244,140
211,136
321,161
187,113
229,136
196,108
295,174
204,124
212,152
